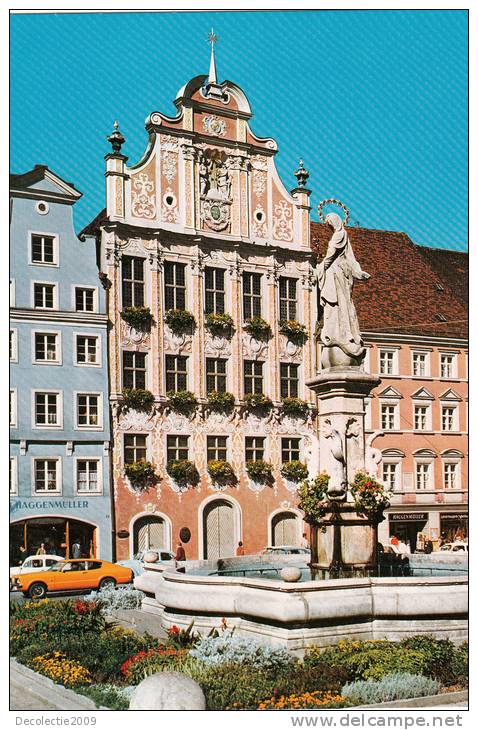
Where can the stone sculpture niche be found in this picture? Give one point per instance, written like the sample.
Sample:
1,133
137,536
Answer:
215,189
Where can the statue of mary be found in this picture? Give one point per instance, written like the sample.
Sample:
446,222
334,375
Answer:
342,344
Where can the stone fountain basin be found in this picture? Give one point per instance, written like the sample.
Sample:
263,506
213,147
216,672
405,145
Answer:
319,612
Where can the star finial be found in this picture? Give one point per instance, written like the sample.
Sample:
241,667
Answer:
212,39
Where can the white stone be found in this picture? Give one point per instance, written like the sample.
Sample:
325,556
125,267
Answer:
168,691
290,574
150,556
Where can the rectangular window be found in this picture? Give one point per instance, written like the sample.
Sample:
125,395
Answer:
47,409
253,378
84,299
448,418
13,407
88,410
12,474
132,271
176,373
46,347
420,417
13,346
87,350
43,249
214,291
290,449
134,447
216,378
174,285
44,296
447,365
255,448
420,364
450,474
389,475
88,476
134,370
287,298
289,380
387,360
177,448
217,448
423,474
388,416
46,475
251,295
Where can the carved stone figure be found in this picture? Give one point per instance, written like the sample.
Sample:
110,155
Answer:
203,175
342,343
338,482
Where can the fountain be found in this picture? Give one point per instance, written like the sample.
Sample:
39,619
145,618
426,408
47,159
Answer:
349,504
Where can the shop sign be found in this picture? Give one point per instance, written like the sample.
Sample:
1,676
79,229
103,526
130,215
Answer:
48,504
409,517
458,516
123,534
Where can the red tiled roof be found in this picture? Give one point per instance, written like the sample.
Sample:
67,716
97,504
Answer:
402,295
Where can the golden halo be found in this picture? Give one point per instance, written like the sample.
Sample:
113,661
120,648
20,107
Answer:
323,203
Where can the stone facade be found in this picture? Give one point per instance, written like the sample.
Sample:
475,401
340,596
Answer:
59,420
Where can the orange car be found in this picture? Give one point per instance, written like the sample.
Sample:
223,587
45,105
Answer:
70,575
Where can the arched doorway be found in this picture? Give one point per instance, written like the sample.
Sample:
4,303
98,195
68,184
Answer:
219,533
149,533
57,534
285,529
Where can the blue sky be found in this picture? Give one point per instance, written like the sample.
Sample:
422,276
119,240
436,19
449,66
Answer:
374,101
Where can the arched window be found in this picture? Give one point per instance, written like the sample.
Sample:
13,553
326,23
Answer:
219,530
149,533
285,529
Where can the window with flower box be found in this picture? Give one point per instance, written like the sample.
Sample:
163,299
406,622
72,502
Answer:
177,448
132,272
289,380
216,377
176,373
287,298
255,448
251,295
290,449
253,377
214,291
134,370
217,448
134,446
174,285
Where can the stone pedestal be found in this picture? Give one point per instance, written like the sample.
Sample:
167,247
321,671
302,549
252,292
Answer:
344,540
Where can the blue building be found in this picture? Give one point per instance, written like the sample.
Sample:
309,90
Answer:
59,415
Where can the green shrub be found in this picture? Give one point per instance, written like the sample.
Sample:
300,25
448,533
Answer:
260,471
443,660
220,402
108,695
258,328
221,472
296,471
138,399
313,499
219,324
179,321
400,686
258,402
140,318
141,475
293,330
183,472
182,401
295,407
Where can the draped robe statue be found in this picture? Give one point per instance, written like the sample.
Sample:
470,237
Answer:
342,344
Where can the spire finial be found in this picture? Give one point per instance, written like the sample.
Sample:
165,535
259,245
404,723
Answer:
116,139
212,39
302,175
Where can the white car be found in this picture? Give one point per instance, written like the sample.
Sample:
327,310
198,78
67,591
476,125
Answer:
34,564
453,547
285,550
136,563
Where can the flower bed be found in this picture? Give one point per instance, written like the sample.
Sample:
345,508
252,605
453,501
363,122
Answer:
70,642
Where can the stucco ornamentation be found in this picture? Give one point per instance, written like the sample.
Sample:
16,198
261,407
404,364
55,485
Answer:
130,336
259,181
213,125
143,204
252,348
283,221
136,421
259,162
177,343
216,345
216,213
289,351
169,164
176,423
169,143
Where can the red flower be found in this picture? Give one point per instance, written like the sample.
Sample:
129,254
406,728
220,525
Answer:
173,630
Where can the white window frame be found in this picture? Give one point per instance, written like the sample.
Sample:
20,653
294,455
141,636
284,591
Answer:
59,407
74,287
216,435
99,462
58,360
56,248
99,395
59,471
454,365
14,475
397,463
54,284
12,292
396,418
266,445
75,351
447,461
14,355
456,417
426,354
394,352
428,415
427,461
13,408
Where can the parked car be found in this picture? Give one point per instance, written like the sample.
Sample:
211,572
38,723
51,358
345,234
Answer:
136,563
453,547
34,564
285,550
70,575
